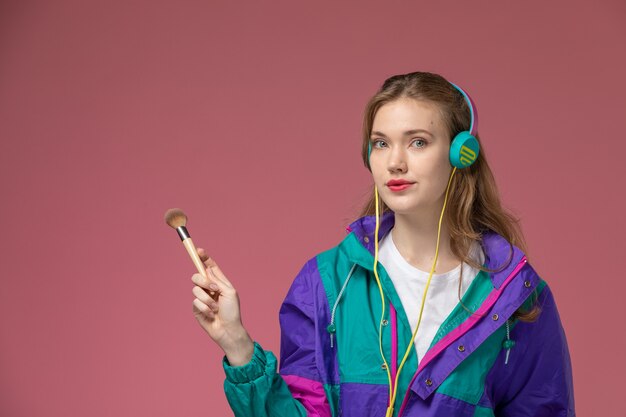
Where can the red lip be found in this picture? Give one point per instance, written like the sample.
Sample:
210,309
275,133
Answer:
398,182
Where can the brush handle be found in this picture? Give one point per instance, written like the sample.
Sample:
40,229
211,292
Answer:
193,252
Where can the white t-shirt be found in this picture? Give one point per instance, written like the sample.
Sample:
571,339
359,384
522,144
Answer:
442,296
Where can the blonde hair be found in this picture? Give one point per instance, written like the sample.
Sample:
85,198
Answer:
473,206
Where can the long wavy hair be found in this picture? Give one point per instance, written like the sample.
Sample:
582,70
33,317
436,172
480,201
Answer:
473,206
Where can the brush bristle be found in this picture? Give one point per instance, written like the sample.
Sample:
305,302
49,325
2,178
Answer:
175,218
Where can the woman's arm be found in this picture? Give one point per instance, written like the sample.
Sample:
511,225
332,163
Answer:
257,389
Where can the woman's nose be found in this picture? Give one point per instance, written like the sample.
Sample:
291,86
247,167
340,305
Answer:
397,162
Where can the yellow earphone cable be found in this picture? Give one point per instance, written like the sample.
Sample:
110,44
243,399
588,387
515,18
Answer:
393,391
382,297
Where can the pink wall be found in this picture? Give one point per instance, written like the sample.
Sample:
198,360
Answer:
249,119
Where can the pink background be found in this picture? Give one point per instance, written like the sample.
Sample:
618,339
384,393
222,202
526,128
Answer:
248,118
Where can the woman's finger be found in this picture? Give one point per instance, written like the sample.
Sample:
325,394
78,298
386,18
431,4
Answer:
205,298
217,273
203,255
212,286
201,294
208,283
205,310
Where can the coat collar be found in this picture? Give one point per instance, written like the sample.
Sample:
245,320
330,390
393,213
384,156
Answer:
498,251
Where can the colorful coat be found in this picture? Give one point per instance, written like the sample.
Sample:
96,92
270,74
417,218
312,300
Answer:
330,357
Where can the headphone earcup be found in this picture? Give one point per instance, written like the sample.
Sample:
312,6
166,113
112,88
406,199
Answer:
464,150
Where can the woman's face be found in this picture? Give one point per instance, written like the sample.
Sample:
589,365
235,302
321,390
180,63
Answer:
410,143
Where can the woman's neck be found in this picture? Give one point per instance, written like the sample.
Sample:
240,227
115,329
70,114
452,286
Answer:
415,236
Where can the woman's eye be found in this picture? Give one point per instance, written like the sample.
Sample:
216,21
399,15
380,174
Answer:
377,143
420,143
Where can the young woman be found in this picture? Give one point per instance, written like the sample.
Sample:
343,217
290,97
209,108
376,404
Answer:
428,307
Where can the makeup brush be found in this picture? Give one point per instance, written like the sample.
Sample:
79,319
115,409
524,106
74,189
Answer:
177,219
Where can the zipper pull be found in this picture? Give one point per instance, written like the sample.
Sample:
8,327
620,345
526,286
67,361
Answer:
508,343
331,329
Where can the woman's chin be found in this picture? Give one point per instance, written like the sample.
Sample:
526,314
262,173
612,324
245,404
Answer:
402,208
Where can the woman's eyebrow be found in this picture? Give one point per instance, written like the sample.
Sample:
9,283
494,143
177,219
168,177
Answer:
407,133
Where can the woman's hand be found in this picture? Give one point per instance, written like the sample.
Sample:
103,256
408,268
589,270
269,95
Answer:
219,313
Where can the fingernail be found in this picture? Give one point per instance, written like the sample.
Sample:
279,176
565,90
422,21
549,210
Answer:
213,287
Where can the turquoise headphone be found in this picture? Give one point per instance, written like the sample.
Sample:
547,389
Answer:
464,148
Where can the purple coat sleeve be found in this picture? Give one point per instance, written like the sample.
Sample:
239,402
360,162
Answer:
537,382
256,389
301,316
